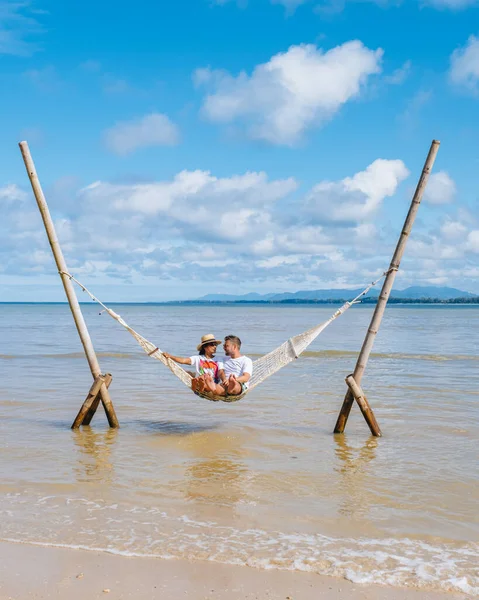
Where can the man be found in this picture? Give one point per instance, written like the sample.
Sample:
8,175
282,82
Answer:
235,370
204,362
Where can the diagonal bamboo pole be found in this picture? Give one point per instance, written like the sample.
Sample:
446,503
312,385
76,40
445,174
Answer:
367,411
387,287
67,284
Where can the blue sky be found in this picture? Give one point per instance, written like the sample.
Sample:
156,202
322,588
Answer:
237,146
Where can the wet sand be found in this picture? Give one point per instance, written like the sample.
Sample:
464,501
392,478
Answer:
28,571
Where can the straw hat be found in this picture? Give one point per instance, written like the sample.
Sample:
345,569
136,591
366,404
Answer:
209,338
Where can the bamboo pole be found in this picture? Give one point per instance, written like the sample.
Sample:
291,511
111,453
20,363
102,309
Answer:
387,286
95,402
91,397
367,411
67,284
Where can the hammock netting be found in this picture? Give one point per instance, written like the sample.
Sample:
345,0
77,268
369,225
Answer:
263,367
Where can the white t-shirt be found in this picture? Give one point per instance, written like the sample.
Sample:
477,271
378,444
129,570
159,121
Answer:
205,365
236,366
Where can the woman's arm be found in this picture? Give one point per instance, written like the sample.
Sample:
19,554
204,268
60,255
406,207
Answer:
178,359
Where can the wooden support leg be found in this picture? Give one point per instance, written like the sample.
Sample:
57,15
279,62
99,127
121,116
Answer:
94,405
92,396
387,287
72,301
108,406
358,395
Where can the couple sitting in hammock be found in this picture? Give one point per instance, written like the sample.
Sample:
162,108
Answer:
226,376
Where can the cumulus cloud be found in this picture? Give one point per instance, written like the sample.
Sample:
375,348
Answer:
221,208
197,229
464,69
440,189
472,241
155,129
356,198
301,88
453,230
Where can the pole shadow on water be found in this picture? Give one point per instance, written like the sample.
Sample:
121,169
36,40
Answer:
173,427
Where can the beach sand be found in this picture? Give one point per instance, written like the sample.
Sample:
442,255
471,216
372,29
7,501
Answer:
28,571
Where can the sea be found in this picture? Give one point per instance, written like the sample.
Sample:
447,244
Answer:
262,482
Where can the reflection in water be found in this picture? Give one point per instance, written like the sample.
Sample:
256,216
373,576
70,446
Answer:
94,463
216,480
217,476
353,467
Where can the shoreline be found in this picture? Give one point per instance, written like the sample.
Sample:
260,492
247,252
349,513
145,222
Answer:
35,571
400,302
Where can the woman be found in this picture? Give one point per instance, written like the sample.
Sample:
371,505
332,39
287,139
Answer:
203,362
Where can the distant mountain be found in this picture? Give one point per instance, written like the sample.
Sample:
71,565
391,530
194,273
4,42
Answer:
442,293
410,293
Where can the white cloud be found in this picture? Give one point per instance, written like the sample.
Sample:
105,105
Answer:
399,75
18,23
411,114
451,4
151,130
464,69
440,189
356,198
301,88
11,193
90,66
278,261
197,230
290,5
453,230
115,85
472,241
229,208
45,79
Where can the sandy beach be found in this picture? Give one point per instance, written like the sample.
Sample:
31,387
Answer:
28,571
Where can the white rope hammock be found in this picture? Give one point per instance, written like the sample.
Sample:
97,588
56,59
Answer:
263,367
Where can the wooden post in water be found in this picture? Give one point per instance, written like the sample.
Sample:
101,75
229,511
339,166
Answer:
69,290
386,289
361,399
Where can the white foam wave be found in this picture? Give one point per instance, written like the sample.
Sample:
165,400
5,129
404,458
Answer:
151,532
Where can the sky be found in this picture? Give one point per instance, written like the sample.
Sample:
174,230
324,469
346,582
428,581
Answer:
235,146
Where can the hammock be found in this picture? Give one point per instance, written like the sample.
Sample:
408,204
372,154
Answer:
263,367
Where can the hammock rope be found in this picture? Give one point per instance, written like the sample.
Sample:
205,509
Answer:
263,367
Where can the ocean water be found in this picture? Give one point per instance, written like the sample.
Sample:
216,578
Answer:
261,482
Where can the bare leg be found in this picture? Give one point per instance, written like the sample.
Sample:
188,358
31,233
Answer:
213,388
234,388
198,383
201,384
210,385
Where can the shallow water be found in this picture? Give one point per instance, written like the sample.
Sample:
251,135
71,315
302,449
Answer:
261,482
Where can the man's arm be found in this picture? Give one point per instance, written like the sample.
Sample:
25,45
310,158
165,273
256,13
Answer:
178,359
243,378
222,376
248,369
